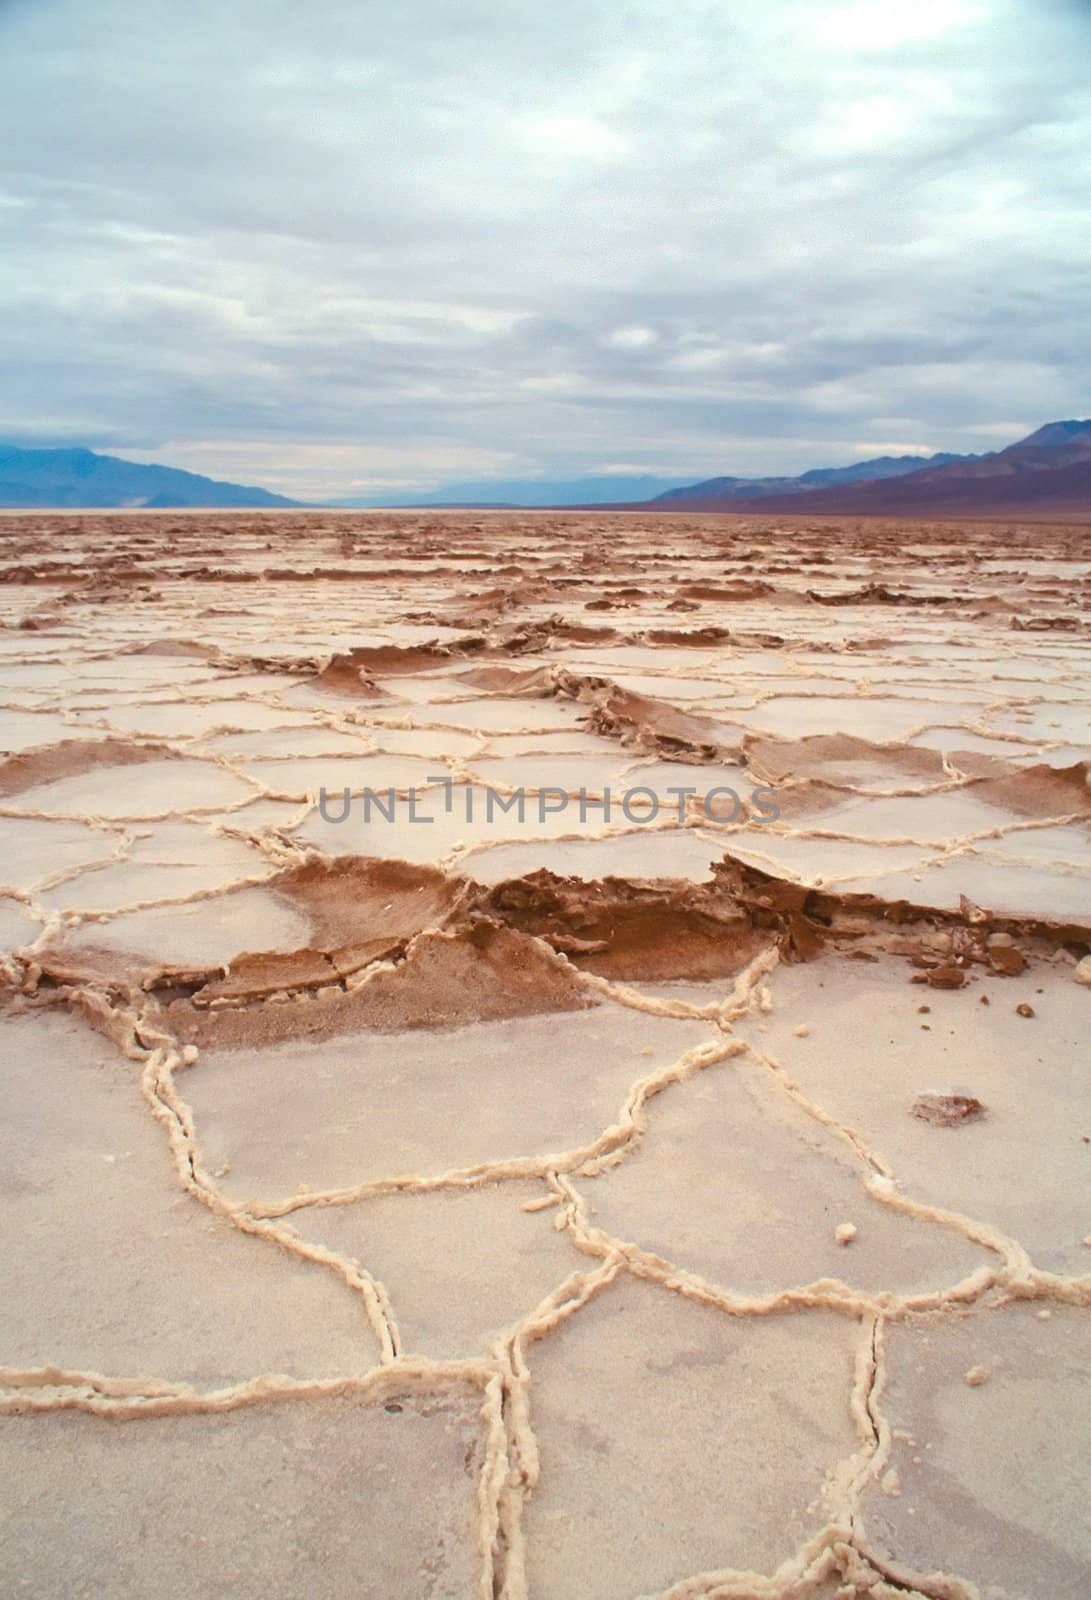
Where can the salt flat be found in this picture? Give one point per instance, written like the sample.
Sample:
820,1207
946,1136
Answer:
546,1182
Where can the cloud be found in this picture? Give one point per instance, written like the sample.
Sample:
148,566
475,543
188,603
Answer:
347,242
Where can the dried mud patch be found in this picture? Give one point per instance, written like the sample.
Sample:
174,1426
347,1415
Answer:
641,722
841,759
477,972
71,759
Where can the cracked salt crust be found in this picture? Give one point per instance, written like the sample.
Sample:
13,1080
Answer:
636,854
426,1245
427,1103
1022,1168
730,1419
998,1483
738,1186
141,1281
154,789
338,1284
286,1499
197,934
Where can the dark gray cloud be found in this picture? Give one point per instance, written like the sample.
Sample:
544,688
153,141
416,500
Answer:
335,246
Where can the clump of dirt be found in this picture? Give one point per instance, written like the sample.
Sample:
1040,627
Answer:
945,1110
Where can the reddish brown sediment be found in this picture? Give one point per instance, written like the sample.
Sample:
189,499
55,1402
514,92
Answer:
877,594
347,675
947,1110
737,591
836,756
633,930
354,898
1042,791
71,758
641,722
354,671
688,638
477,972
534,682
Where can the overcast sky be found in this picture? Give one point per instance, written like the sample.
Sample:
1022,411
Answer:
331,246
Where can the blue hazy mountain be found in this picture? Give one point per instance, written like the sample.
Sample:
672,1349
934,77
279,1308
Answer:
601,489
83,479
639,489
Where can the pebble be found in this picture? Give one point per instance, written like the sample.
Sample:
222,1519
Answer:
845,1232
977,1376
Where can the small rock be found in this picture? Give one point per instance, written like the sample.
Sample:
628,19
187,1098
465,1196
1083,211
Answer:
947,977
1082,971
845,1232
946,1110
977,1376
971,912
1024,1010
802,1031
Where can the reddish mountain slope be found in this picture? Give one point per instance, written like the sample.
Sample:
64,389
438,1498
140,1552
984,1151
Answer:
1050,471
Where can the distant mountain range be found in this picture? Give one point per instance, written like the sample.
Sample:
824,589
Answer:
817,478
602,489
1048,472
57,479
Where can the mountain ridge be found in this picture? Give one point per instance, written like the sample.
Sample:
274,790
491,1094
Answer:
730,488
80,479
1049,470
